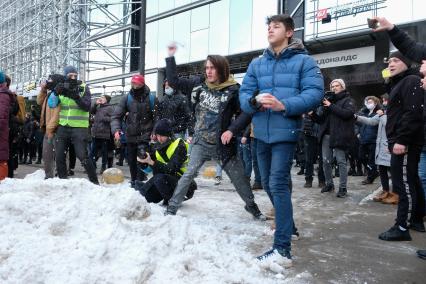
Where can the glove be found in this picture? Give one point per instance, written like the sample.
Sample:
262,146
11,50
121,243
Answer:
74,95
53,100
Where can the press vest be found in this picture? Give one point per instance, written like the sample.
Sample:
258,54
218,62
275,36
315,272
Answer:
169,153
71,114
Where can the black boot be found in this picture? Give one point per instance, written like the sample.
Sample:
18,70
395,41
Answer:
417,226
327,188
422,253
301,172
254,210
342,192
308,183
395,234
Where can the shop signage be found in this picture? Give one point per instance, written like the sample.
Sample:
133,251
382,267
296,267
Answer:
345,57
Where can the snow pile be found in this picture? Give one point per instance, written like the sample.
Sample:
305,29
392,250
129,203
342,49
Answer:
71,231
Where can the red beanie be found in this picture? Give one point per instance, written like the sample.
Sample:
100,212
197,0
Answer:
138,79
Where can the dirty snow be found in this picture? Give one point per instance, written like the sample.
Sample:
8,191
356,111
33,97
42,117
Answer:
71,231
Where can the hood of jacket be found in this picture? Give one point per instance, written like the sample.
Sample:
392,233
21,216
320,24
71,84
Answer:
295,46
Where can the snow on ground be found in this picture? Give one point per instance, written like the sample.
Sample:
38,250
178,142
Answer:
71,231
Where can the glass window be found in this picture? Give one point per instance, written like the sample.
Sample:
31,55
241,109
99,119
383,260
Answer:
261,10
151,8
182,36
151,45
199,45
179,3
219,28
240,22
165,36
200,18
165,5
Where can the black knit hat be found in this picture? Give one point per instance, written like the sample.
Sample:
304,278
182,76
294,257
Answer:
401,57
163,128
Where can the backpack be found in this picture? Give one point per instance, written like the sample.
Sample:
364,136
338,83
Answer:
151,101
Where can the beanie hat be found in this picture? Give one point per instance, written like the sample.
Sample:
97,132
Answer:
340,81
69,69
2,77
138,79
401,57
163,128
108,98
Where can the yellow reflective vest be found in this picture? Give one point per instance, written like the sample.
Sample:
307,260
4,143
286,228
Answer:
71,114
169,152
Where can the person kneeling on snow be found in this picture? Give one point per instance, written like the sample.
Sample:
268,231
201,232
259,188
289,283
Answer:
168,165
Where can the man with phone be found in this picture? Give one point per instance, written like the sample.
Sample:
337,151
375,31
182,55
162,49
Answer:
336,119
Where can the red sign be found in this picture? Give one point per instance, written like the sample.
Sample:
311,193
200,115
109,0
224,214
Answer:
321,14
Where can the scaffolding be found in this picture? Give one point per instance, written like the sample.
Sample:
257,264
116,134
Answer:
39,37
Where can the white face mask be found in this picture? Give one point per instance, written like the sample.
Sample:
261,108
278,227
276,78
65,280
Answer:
370,106
169,91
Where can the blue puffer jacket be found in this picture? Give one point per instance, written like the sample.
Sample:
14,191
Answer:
295,79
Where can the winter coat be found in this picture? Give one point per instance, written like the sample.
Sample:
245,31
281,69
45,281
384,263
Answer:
102,120
295,79
382,154
141,118
7,106
367,132
49,118
176,109
405,123
29,129
415,51
339,119
176,162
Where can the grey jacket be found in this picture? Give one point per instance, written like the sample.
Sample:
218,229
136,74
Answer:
383,155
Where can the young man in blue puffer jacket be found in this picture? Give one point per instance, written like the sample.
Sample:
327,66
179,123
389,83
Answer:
289,83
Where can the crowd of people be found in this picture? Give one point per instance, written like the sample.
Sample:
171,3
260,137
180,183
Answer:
279,113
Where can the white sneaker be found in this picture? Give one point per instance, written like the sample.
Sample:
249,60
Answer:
218,180
272,258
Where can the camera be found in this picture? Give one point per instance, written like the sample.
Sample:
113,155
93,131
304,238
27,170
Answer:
72,85
329,96
142,153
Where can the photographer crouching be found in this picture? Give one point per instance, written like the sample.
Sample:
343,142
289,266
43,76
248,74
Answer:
168,164
73,97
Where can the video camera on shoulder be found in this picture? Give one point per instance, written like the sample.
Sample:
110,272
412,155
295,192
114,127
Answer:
329,96
72,85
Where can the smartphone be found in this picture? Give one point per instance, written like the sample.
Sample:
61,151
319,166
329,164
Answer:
372,23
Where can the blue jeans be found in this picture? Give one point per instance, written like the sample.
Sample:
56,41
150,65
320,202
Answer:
254,160
275,162
422,172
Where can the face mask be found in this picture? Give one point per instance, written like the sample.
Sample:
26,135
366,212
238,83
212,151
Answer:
370,106
168,91
137,91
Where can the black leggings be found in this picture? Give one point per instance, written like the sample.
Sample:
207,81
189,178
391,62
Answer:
384,177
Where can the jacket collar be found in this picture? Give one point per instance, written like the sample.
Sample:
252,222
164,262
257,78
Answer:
295,47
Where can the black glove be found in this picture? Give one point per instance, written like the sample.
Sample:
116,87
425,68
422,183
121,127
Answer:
74,95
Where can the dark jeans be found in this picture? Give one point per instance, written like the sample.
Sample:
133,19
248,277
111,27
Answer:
422,171
72,157
275,162
136,173
253,147
368,159
406,182
159,187
78,137
384,177
99,143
